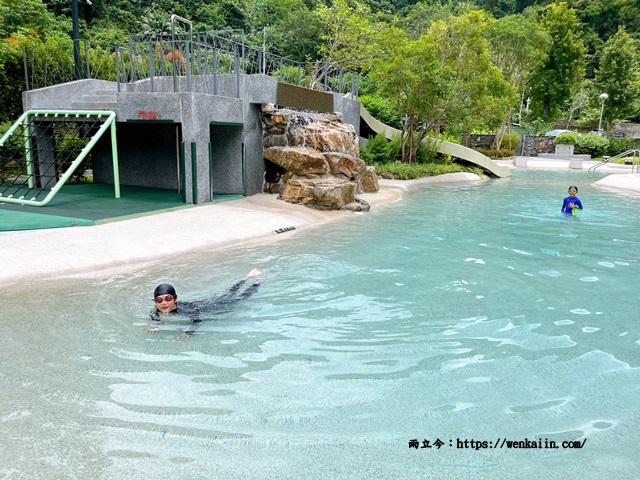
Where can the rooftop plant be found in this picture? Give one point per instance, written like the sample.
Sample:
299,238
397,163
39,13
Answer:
566,139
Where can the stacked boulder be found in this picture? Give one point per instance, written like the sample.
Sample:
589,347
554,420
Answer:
320,155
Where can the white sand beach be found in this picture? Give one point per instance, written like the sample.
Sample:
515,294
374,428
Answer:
127,245
124,246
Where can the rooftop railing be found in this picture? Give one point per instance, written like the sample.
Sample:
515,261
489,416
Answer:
204,63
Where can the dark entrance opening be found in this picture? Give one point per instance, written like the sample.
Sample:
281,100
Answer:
148,156
227,159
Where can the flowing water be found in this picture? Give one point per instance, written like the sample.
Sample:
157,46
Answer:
458,314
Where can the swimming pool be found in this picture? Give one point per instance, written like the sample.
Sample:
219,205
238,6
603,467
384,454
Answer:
459,313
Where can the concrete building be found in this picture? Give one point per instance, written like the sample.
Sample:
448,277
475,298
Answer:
200,144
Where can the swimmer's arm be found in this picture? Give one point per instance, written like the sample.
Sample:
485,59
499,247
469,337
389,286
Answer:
195,324
155,318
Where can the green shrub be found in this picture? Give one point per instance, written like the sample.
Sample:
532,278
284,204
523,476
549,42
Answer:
566,139
380,150
592,144
381,109
4,127
493,153
450,137
11,165
618,145
511,140
404,171
377,150
428,153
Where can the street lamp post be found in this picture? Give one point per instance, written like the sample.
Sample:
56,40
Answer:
603,96
76,38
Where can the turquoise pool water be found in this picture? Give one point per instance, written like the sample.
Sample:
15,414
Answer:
459,313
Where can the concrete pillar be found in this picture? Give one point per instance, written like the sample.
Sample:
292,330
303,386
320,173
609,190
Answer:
43,155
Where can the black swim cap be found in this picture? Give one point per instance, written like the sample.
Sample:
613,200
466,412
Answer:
573,186
164,289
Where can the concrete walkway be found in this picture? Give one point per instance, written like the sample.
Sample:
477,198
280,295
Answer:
619,179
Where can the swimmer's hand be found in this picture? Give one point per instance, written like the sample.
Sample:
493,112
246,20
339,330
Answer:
151,329
571,204
260,280
182,336
253,273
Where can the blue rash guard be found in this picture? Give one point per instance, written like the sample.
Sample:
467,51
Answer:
192,310
565,206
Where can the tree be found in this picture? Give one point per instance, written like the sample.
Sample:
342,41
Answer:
519,45
579,101
559,77
409,74
605,17
293,29
418,18
347,36
619,76
154,23
25,16
444,79
481,95
497,8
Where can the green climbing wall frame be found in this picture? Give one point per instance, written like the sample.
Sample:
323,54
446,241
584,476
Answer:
109,123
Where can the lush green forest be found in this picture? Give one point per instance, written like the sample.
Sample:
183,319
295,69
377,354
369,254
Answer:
447,67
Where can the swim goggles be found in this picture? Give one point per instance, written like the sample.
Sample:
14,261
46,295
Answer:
165,298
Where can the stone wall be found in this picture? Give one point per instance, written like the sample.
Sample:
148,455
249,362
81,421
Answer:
532,145
480,141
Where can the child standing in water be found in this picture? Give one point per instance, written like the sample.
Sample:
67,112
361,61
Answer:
571,202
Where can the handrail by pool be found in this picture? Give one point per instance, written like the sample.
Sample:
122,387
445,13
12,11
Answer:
635,160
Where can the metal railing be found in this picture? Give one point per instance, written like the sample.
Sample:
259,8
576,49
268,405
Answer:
634,155
181,62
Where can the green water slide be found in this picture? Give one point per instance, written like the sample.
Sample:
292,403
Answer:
43,149
448,148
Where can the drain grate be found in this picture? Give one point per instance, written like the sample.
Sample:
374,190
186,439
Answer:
285,229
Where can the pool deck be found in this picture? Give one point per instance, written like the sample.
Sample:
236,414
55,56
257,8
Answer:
126,246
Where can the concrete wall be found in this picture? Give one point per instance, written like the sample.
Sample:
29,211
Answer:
59,97
349,108
631,129
45,161
253,148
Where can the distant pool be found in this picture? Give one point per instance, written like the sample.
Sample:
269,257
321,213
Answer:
459,313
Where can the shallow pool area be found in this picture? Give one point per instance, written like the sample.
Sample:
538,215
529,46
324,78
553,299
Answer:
430,338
